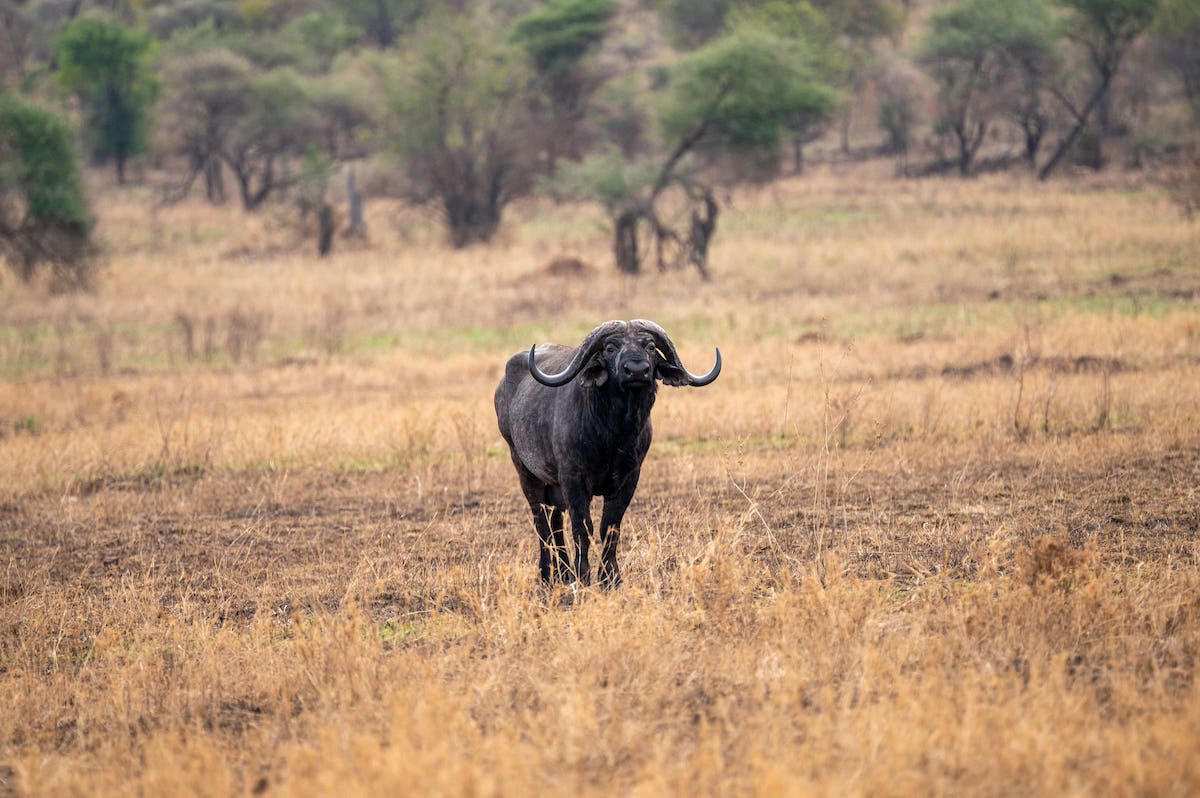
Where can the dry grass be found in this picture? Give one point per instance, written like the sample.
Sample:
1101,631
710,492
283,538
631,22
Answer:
934,531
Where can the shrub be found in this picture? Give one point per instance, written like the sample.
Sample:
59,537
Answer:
44,216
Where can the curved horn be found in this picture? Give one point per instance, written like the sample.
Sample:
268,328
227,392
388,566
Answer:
664,343
582,354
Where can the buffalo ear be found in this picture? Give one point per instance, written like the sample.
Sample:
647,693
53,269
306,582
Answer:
670,375
594,374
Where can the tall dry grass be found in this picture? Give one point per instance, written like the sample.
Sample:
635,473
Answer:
934,529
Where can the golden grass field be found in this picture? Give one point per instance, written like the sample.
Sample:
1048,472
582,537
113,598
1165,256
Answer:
934,531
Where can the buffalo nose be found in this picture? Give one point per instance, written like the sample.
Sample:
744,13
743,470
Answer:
639,370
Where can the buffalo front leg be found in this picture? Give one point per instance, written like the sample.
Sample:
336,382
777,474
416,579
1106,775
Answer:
579,508
615,505
610,536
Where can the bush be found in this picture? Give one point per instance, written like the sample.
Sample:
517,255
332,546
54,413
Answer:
458,102
44,216
1183,180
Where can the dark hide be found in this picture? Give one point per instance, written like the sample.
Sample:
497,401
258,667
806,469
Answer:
585,434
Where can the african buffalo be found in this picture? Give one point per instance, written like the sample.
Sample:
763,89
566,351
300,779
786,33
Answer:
577,423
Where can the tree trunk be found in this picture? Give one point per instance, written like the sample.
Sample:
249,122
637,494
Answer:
324,229
470,221
1034,128
1080,123
214,181
968,144
358,227
703,227
253,197
625,242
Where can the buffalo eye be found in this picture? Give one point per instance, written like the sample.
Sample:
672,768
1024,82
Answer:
610,348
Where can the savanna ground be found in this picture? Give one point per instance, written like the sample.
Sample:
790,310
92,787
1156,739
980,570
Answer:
933,531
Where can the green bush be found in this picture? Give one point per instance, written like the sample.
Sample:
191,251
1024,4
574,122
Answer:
44,215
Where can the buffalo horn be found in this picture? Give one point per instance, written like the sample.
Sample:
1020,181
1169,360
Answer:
582,355
667,347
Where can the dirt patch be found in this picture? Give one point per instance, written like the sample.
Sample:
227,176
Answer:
244,545
568,266
1006,364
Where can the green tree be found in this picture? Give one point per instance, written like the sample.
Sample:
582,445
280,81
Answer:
345,114
898,105
44,216
840,35
987,59
559,34
168,18
459,118
855,27
107,66
803,23
382,21
16,42
278,125
1106,30
739,93
205,95
558,37
226,116
692,23
1177,34
732,99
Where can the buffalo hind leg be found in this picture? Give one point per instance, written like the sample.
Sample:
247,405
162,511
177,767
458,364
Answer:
552,546
548,521
562,569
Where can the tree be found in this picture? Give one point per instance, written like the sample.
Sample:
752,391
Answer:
693,23
459,118
16,42
382,21
205,96
1182,180
897,85
855,26
107,66
344,114
224,115
988,59
739,94
840,35
1105,29
558,37
733,98
168,18
278,125
44,216
1177,34
559,34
